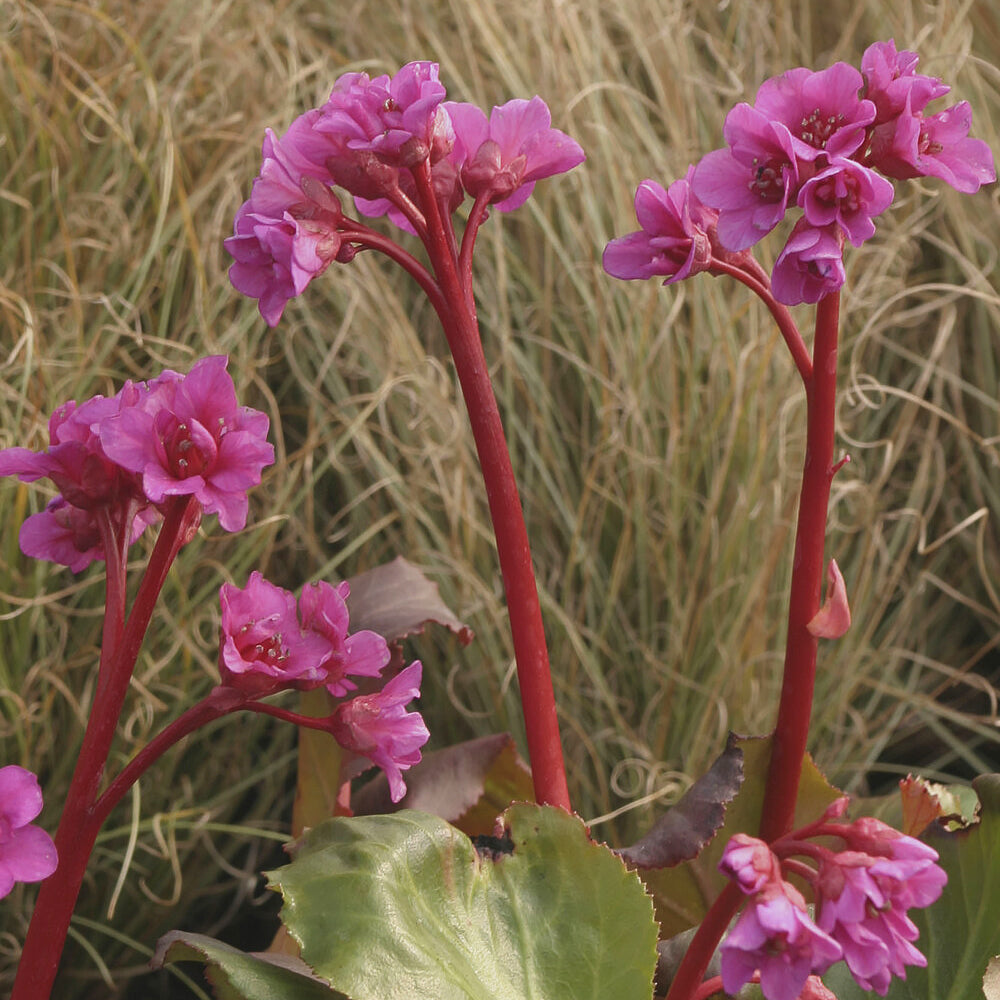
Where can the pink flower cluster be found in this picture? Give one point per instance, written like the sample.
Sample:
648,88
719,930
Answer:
370,138
861,894
272,643
120,458
824,142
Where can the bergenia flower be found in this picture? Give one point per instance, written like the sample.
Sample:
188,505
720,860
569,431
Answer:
749,862
27,853
363,654
287,232
264,648
501,159
822,111
190,437
752,181
892,83
862,902
913,145
848,194
75,459
377,726
399,121
91,484
775,936
674,240
811,264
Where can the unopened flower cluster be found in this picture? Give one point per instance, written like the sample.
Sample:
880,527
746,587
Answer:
371,139
821,142
861,894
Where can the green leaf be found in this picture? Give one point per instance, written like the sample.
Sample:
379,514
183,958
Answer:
683,894
404,906
960,933
236,975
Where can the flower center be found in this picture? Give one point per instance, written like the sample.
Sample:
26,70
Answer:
841,190
928,146
768,181
269,650
817,128
183,454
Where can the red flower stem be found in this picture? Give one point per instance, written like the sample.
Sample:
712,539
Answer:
791,732
710,988
78,830
308,721
218,702
356,232
782,317
115,545
687,983
530,652
477,216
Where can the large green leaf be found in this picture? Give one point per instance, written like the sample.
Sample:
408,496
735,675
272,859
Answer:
236,975
959,933
405,906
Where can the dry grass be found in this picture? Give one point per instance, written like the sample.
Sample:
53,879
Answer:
657,432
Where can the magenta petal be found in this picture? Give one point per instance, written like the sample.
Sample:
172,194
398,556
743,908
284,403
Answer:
20,795
471,127
27,465
28,855
365,654
62,534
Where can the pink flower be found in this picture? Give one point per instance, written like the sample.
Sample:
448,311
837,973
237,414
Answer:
190,437
399,121
501,159
892,83
862,904
811,264
848,194
264,649
75,460
674,240
69,535
362,654
287,232
913,145
27,853
822,111
751,182
92,484
378,727
749,863
775,936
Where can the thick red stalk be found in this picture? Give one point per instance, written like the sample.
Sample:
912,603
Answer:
530,650
791,732
690,975
78,830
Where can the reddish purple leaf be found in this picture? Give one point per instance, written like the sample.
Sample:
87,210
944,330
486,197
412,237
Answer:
692,823
397,600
